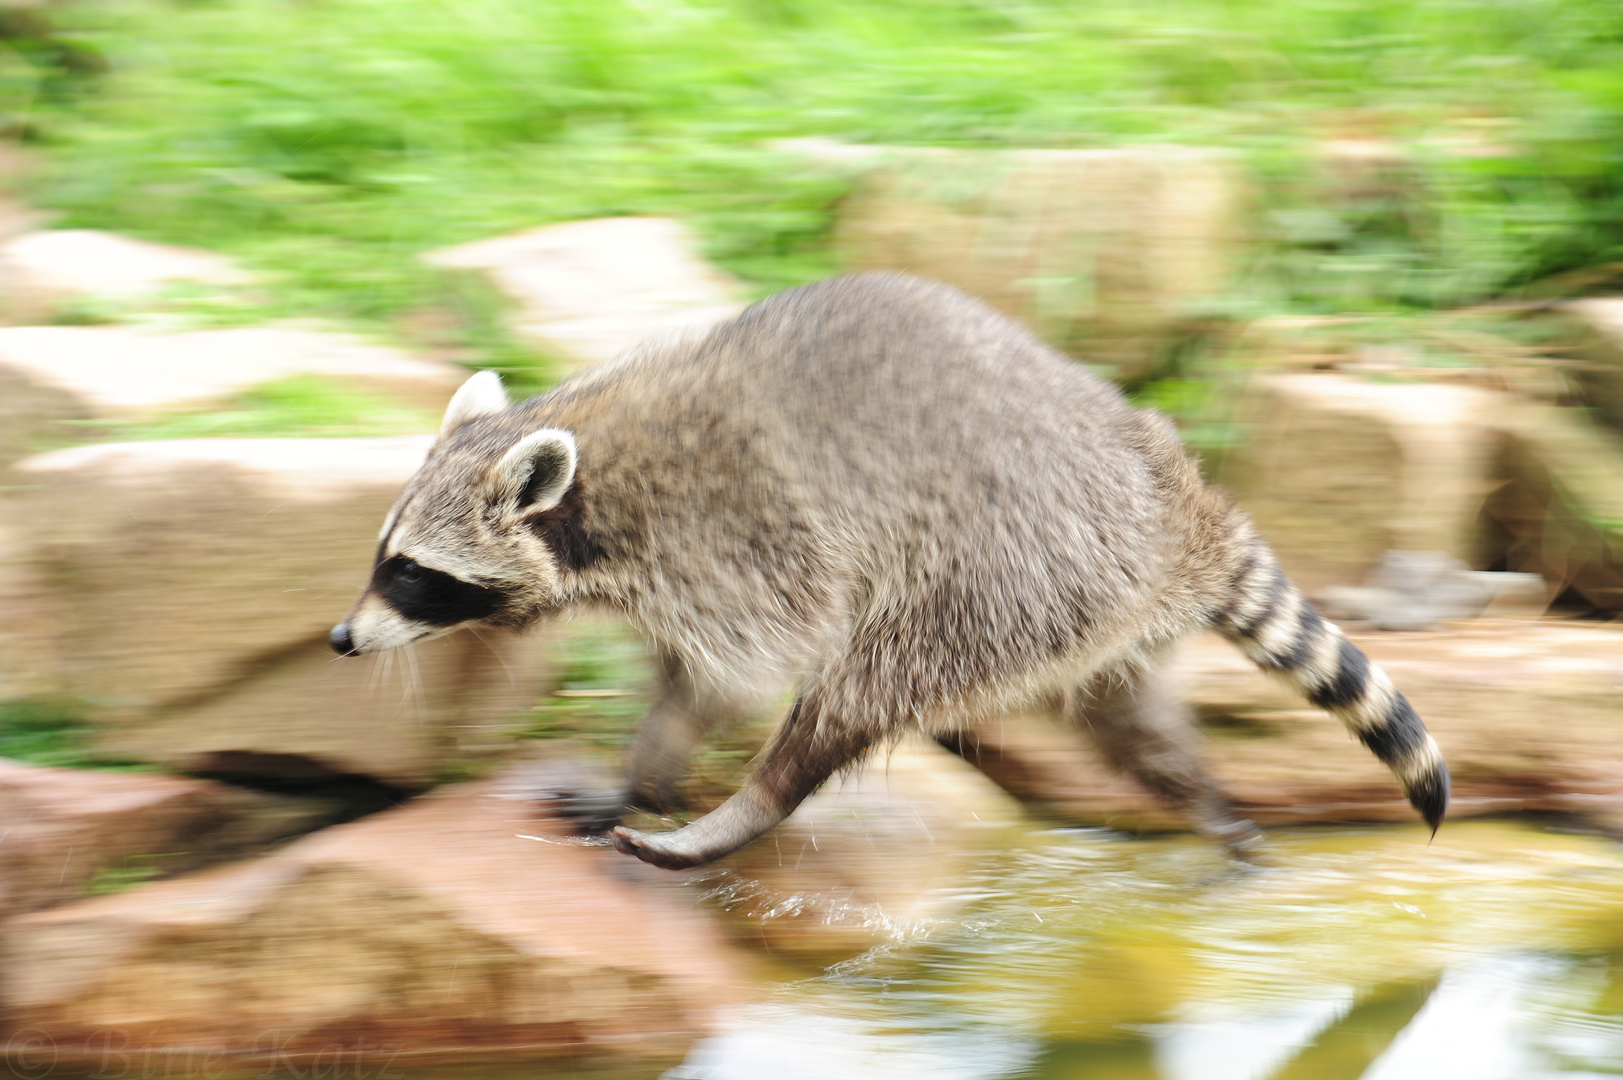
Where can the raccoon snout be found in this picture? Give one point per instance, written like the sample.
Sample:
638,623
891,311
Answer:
341,641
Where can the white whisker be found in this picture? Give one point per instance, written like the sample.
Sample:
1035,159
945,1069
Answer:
388,670
511,679
418,695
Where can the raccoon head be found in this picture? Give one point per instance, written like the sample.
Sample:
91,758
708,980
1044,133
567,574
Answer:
460,545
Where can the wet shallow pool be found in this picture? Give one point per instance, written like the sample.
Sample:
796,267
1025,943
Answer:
1495,951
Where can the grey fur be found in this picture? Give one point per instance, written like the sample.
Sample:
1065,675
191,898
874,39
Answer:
881,488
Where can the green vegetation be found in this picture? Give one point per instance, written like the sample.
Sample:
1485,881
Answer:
327,143
605,678
307,405
133,871
43,732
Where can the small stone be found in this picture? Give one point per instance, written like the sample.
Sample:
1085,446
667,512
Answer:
114,369
1414,590
588,290
40,271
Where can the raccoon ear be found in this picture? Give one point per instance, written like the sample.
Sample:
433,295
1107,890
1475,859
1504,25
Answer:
479,396
537,471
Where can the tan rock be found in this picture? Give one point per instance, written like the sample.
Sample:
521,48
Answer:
1557,503
456,927
183,591
32,414
1339,469
588,290
67,830
1487,690
1055,771
1596,324
114,369
40,271
871,858
1102,252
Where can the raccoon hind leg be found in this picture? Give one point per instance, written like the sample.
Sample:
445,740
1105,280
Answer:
1145,729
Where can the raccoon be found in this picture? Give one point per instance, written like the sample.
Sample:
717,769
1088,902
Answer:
881,489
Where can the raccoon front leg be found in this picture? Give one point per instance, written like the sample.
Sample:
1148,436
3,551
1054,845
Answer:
806,750
1145,729
681,716
658,759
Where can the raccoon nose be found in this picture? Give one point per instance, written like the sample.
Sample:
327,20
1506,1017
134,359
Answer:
341,642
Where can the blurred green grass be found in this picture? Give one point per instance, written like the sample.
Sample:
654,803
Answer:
302,405
605,677
327,142
43,731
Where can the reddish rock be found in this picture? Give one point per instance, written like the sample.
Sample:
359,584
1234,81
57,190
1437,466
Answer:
458,926
63,831
1525,713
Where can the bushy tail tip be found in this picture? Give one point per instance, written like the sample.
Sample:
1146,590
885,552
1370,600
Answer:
1281,632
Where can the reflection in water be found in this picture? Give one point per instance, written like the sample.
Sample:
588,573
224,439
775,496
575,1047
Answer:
1361,954
787,1044
1243,1048
1347,1048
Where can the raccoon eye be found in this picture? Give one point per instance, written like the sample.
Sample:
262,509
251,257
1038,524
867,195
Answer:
409,573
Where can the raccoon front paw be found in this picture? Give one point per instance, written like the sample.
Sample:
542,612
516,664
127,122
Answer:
589,813
661,800
587,799
655,849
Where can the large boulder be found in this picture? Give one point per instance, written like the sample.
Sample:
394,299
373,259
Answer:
42,271
588,290
1337,470
1102,252
72,830
182,591
1487,691
1340,469
52,373
458,926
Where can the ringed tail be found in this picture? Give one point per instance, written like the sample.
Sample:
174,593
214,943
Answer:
1282,633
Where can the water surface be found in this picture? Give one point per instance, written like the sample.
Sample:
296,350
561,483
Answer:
1494,951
